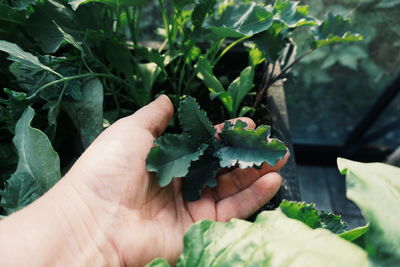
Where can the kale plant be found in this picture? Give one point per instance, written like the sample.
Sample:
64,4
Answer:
199,152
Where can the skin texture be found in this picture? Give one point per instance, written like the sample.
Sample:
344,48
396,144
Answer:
108,210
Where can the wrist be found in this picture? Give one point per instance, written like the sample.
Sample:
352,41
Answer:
56,230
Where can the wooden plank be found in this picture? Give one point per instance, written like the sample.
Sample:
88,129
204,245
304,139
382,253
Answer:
314,187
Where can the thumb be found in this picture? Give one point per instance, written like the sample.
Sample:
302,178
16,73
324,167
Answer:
155,116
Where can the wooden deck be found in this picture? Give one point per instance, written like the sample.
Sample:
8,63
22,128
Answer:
325,187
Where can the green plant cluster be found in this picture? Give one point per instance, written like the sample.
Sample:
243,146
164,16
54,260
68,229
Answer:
77,66
199,152
296,234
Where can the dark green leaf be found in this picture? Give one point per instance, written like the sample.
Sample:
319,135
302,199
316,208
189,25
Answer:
118,56
194,121
306,213
37,158
375,188
172,156
335,29
17,4
201,174
271,44
241,20
117,4
248,147
87,113
332,222
21,190
200,12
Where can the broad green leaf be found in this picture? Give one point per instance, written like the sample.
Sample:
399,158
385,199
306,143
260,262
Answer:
27,60
375,188
204,73
248,147
41,25
17,4
272,240
87,113
240,87
117,4
292,14
271,43
241,20
37,158
335,29
194,121
200,11
20,190
118,57
8,14
172,156
201,174
308,214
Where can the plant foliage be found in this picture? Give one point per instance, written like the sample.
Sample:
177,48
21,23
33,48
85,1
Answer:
198,152
297,233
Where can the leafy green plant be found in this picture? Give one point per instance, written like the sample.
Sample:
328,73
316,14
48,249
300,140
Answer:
199,152
298,234
81,65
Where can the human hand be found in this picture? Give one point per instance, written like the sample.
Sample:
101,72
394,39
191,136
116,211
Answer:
123,211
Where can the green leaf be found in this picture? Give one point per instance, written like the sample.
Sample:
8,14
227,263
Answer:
147,74
70,39
240,87
87,113
388,3
200,11
37,158
172,156
204,73
27,60
292,14
117,4
159,262
241,20
248,147
194,121
20,190
308,214
201,174
118,57
42,28
335,29
271,43
17,4
355,233
272,240
375,188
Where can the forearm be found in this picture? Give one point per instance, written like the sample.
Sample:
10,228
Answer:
55,230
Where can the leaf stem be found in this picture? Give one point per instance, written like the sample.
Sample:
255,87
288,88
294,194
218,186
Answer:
230,47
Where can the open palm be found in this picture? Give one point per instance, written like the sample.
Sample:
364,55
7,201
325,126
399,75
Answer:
142,220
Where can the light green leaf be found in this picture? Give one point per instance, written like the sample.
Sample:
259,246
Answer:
87,113
194,121
375,188
204,73
27,60
240,87
272,240
241,20
248,147
159,262
17,4
20,190
335,29
172,156
355,233
37,158
117,4
388,3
